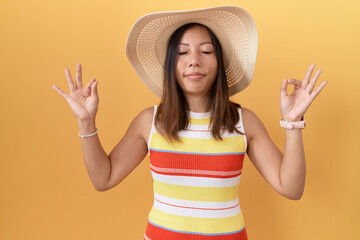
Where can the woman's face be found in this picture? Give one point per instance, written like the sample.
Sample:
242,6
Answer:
196,67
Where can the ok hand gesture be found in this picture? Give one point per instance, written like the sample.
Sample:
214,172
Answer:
294,106
83,101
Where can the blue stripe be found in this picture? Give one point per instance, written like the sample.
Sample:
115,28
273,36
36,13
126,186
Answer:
208,234
168,151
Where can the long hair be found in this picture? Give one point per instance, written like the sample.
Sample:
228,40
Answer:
172,114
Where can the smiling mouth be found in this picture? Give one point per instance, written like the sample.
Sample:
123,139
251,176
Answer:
195,76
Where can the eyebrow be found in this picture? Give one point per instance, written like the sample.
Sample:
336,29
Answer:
186,44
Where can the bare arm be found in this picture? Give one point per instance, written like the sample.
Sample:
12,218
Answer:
132,148
105,171
284,172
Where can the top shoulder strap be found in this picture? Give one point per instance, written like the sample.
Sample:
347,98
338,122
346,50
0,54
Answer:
152,127
240,124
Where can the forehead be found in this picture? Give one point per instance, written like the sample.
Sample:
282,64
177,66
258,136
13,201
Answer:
196,33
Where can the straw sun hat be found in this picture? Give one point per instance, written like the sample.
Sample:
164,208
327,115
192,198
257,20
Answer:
233,26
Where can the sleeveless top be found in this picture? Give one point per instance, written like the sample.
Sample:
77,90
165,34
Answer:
196,183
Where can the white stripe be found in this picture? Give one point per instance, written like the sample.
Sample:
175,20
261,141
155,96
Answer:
198,127
199,115
200,131
146,237
198,213
196,204
196,181
195,171
206,135
206,127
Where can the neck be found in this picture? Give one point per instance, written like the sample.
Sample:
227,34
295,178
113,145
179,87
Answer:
199,104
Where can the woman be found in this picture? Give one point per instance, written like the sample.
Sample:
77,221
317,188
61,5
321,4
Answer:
196,137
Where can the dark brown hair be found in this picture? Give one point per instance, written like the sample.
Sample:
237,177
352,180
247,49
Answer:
171,116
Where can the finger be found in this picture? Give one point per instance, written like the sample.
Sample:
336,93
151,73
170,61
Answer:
312,83
88,86
79,84
308,75
283,89
318,89
94,91
70,81
61,92
295,82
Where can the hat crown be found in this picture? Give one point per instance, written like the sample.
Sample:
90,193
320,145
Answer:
233,26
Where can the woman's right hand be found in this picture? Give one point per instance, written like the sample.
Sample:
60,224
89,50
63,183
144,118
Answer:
83,101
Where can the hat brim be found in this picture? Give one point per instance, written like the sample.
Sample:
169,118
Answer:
233,26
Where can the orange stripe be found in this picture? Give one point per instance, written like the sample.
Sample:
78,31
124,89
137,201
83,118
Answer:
154,232
196,162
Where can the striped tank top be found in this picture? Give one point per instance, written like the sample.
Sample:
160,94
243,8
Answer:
196,183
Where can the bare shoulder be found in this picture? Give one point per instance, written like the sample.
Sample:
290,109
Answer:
252,123
247,114
146,115
142,123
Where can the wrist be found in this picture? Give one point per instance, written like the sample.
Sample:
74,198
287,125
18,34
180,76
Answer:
86,126
88,135
293,124
293,119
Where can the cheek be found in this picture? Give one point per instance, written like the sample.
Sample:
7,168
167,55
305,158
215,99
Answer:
214,66
214,70
179,69
215,61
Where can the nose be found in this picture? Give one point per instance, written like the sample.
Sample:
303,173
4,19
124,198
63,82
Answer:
194,60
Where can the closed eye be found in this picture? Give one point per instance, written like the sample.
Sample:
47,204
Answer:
182,53
207,52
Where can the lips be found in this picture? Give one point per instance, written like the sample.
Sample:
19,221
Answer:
194,75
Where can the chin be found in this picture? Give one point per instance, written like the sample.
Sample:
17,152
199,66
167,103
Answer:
193,93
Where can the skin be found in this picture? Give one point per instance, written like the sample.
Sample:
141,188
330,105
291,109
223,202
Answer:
285,172
196,67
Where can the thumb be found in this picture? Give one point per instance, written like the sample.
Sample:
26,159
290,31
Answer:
94,91
283,88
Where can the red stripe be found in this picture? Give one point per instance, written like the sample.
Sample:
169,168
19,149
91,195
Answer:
196,162
195,175
157,233
195,207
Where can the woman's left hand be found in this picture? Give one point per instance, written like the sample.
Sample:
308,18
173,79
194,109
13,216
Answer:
294,106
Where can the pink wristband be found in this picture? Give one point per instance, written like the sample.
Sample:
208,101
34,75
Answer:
293,125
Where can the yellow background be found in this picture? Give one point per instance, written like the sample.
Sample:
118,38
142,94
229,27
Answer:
45,190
